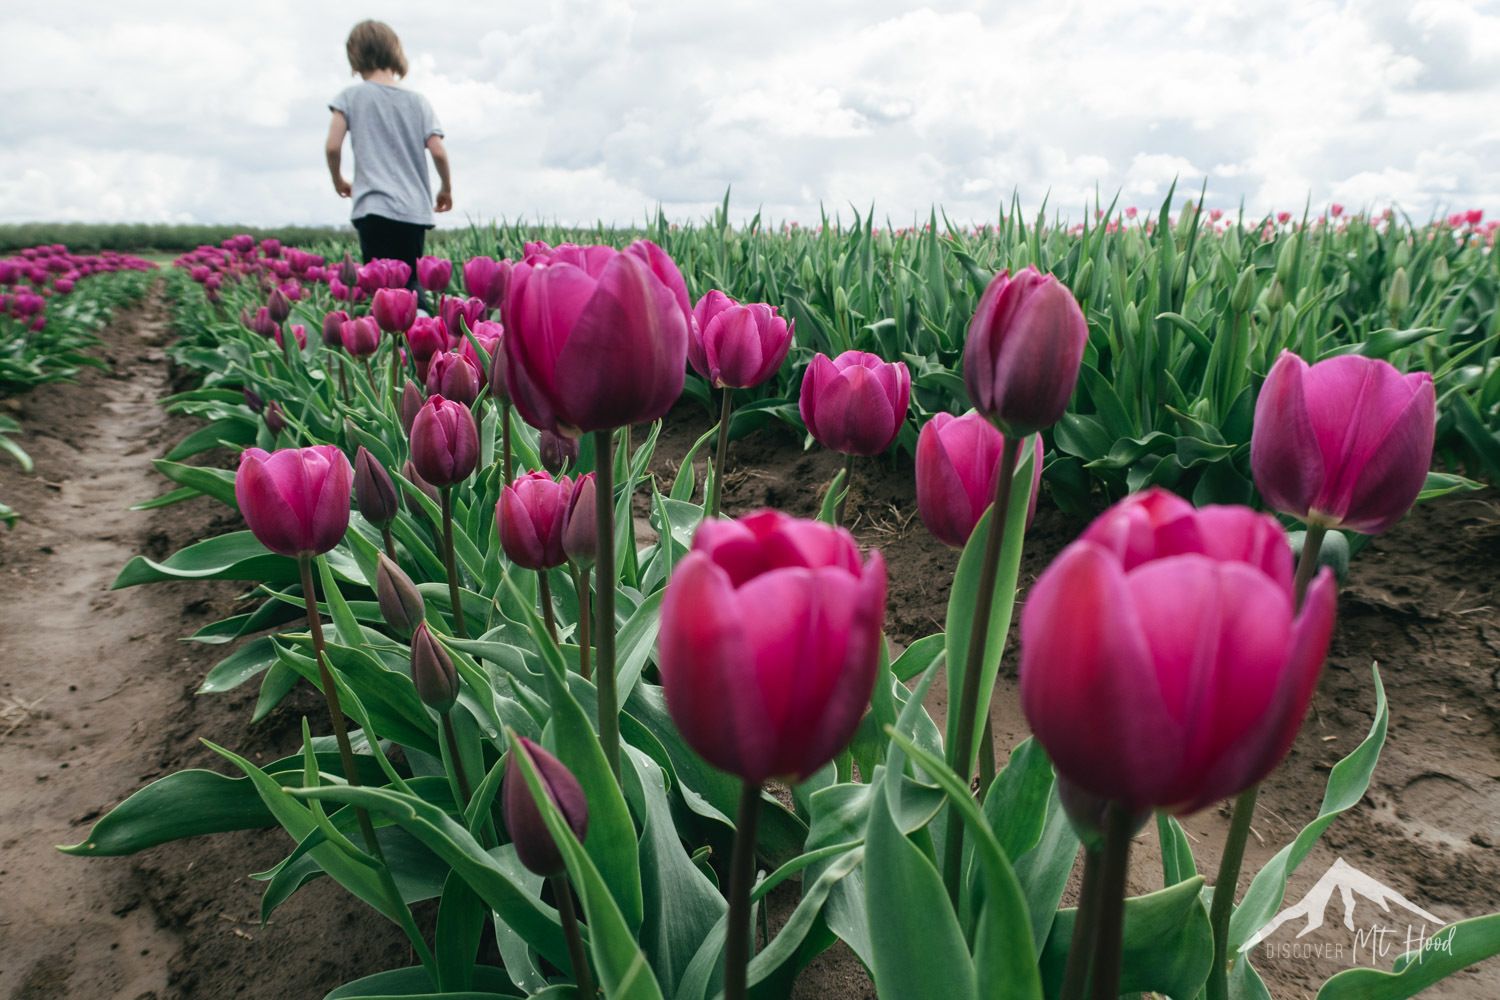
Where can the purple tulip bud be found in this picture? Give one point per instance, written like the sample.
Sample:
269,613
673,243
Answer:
252,399
295,500
434,273
523,820
275,420
262,323
432,671
580,535
278,305
361,337
374,492
486,279
556,451
348,272
453,376
395,309
333,328
529,517
412,399
856,403
444,442
401,604
1024,350
459,313
410,473
426,338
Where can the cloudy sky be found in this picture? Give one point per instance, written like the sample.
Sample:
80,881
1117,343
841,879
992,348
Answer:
577,110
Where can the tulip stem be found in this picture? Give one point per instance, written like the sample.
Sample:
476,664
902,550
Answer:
450,565
741,878
343,378
582,976
351,773
581,584
1119,828
986,758
396,372
505,449
390,542
544,598
465,790
1307,563
370,377
961,753
848,485
604,523
1085,930
1225,886
722,454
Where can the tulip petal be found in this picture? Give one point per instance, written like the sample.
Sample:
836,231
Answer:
1285,457
1385,457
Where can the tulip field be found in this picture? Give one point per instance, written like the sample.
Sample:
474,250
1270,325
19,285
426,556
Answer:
709,611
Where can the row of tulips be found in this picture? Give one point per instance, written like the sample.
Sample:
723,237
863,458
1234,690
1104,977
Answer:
632,708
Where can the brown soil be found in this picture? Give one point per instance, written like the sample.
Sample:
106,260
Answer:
97,696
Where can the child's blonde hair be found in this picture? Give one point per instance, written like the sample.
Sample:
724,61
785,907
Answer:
374,46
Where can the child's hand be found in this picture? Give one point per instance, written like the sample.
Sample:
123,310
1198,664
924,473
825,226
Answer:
444,200
343,187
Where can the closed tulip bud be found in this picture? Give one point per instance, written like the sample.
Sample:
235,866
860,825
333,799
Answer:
580,535
1084,279
1398,297
556,451
1344,443
454,376
1243,295
1286,261
400,601
252,399
426,338
444,442
770,643
333,328
432,671
566,312
460,314
434,273
530,517
734,345
958,467
262,323
1195,670
1024,350
1440,270
856,403
485,279
411,475
412,399
490,335
374,492
275,419
348,271
278,305
1275,296
533,841
295,500
395,309
361,337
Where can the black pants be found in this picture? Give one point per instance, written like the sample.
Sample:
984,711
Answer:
388,239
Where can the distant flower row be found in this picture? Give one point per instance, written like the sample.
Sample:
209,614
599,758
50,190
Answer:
32,276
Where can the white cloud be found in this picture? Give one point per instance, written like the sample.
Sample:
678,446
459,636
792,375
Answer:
578,110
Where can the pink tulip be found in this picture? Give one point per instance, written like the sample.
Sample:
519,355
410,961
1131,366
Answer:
434,273
770,643
530,519
1024,350
1346,442
395,309
444,442
597,338
535,847
485,279
361,337
384,273
295,500
262,323
958,467
299,334
856,403
734,345
452,375
1163,665
426,337
458,313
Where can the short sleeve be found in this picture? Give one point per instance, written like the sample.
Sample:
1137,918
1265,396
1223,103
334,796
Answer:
430,124
340,103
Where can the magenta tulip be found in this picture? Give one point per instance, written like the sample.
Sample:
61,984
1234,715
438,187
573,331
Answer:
597,338
855,404
1344,443
412,399
361,337
530,519
279,305
452,375
434,273
374,492
556,451
444,442
737,346
1163,663
580,540
459,313
395,309
295,500
535,847
426,337
299,336
770,643
1024,350
958,466
333,328
262,323
485,279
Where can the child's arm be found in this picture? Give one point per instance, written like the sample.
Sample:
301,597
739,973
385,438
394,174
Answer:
440,160
333,148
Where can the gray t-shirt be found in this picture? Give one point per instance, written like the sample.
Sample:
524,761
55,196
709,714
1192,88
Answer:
388,131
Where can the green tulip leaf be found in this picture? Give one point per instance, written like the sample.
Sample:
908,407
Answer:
1449,950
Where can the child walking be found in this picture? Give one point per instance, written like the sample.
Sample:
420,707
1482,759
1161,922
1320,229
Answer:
390,130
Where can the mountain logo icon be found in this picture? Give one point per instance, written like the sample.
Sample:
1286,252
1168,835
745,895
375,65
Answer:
1348,882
